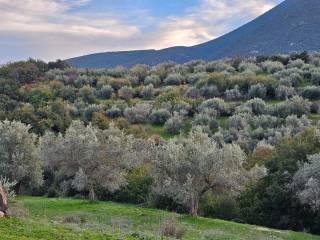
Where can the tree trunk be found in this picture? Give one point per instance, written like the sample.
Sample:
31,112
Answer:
194,206
92,194
17,187
3,201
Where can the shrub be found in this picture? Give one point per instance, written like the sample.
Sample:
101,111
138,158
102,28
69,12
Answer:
206,118
114,112
160,116
209,91
298,105
173,79
89,110
219,66
105,92
170,228
117,83
257,91
293,106
283,92
311,93
126,93
138,188
315,107
193,93
182,108
87,94
195,77
315,76
221,207
256,106
272,67
152,79
233,94
247,67
298,63
138,113
174,124
148,92
217,104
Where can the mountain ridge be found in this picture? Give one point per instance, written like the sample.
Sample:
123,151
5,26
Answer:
292,26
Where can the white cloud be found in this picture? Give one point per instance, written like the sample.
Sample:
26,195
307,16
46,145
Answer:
48,29
211,19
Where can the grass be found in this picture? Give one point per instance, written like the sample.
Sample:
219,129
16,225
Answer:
314,117
64,219
159,130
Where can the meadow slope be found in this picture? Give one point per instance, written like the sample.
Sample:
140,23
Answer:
64,219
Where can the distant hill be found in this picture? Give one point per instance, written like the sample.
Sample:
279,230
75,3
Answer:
292,26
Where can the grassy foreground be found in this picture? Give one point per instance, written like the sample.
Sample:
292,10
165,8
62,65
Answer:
64,219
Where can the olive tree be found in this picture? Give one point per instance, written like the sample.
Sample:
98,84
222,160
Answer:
188,168
92,158
19,160
306,182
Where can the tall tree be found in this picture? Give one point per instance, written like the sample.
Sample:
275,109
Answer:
92,158
188,168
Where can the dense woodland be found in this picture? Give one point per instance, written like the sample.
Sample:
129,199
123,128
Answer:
237,139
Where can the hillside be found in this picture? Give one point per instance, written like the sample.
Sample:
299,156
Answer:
42,218
290,27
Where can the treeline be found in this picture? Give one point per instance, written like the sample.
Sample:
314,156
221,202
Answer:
277,187
236,139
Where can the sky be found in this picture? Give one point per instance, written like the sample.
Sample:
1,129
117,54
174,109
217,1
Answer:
60,29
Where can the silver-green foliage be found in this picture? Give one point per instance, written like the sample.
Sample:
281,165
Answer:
19,159
92,158
306,182
188,168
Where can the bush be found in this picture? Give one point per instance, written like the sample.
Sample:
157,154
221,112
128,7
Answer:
221,207
114,112
195,77
257,91
138,188
293,106
87,94
217,104
105,92
283,92
126,93
174,124
138,113
315,76
89,110
298,105
173,79
272,67
170,228
192,92
160,116
148,92
311,93
233,94
256,106
247,67
152,79
209,91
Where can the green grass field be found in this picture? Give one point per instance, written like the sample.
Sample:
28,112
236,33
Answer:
64,219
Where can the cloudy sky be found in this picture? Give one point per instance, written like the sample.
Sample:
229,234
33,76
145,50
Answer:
52,29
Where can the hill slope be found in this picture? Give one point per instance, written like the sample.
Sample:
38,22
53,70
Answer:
292,26
41,218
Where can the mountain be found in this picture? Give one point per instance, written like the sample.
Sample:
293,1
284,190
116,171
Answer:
292,26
